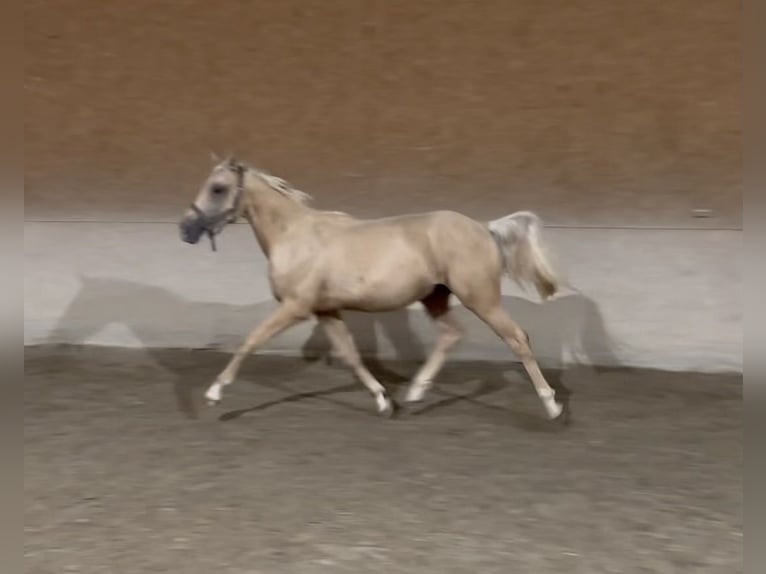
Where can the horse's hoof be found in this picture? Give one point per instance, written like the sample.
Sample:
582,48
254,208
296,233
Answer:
410,408
389,411
213,394
560,415
554,409
416,393
565,416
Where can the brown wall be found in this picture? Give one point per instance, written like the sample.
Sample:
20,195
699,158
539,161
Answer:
606,112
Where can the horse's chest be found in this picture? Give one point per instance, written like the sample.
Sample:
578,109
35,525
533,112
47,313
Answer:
289,275
283,280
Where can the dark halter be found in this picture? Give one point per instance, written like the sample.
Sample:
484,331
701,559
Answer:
212,225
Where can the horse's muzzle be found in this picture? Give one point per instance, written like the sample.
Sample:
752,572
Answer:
191,229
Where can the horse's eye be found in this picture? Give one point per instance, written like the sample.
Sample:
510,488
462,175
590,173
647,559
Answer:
218,189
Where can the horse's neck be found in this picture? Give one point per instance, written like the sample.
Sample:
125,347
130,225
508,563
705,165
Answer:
269,216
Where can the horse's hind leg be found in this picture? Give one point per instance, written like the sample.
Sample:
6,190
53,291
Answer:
515,337
285,316
437,307
343,341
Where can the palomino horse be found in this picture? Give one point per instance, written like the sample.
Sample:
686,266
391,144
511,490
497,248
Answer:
324,262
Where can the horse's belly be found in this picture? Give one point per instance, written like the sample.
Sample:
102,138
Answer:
377,282
372,300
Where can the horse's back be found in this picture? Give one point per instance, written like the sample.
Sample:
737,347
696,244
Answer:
430,240
427,243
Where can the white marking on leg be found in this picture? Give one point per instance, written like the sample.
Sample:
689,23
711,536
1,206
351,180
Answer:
553,408
213,394
384,403
417,391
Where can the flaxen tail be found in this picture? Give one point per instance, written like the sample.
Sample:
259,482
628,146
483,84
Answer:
518,237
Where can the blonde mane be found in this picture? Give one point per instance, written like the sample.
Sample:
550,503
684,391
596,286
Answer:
282,186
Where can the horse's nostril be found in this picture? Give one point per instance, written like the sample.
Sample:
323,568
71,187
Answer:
189,230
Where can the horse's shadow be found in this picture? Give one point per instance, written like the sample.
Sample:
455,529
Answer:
572,322
566,330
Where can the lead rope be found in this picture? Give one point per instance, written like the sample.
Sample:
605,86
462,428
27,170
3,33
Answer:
211,236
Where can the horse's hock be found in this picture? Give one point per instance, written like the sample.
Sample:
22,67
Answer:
618,122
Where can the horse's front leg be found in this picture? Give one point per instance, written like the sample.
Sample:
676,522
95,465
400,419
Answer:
287,315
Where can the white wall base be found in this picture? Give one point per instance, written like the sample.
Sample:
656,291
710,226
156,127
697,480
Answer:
645,298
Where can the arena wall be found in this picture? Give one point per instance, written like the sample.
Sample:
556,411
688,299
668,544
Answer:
618,122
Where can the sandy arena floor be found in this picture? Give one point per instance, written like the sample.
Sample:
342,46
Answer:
127,472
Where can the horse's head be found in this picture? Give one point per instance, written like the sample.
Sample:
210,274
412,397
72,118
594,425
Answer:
218,202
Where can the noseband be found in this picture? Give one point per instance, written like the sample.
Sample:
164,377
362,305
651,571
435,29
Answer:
212,225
